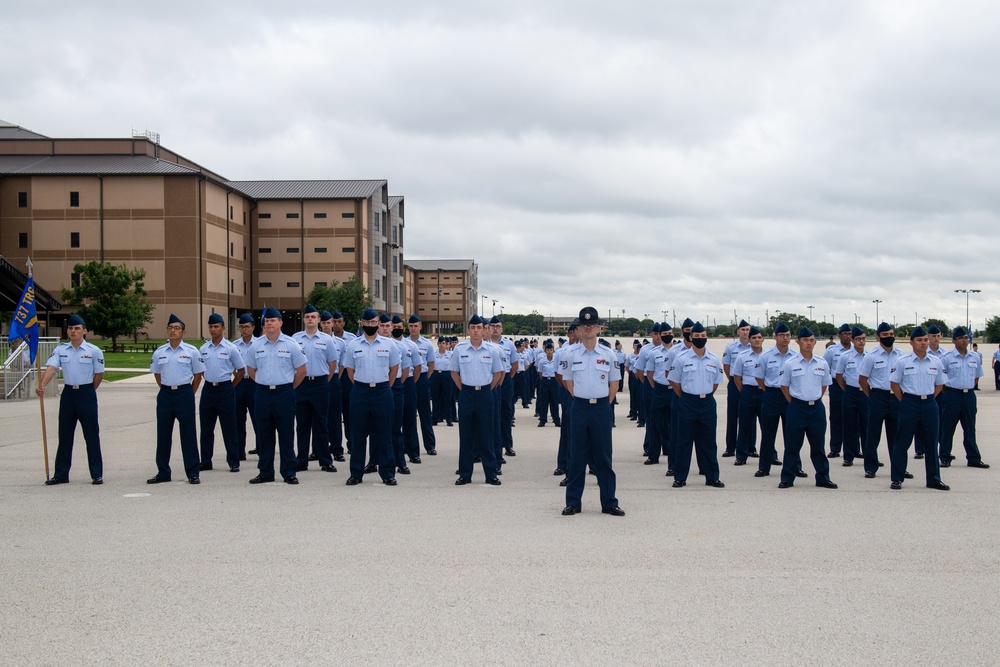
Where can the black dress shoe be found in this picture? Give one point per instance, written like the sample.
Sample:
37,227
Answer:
776,462
351,481
302,467
541,424
478,459
252,451
978,464
727,454
313,457
557,424
740,462
847,464
432,452
56,480
940,486
754,454
946,464
896,486
371,468
826,485
97,481
669,473
157,480
391,481
678,484
761,473
205,466
499,471
613,511
833,455
717,483
564,482
651,462
234,468
339,458
570,510
494,481
403,470
415,459
329,468
785,485
881,465
291,479
591,472
461,481
243,457
918,456
509,451
907,475
260,479
801,473
869,475
640,425
194,480
559,471
502,460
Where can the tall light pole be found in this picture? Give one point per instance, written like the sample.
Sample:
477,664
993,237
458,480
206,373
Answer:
494,307
484,303
439,309
876,302
810,312
967,292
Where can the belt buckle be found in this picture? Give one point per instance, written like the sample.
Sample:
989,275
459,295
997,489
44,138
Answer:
702,396
272,386
592,401
74,386
173,387
965,391
923,397
812,402
371,385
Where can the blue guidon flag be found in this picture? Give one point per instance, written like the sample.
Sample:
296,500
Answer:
25,323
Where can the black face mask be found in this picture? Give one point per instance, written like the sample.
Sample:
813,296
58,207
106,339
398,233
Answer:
370,331
686,334
667,338
699,342
397,333
887,341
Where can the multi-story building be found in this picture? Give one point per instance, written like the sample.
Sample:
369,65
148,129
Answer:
207,244
444,292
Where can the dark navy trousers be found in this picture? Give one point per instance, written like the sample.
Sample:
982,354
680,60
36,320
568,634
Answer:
548,400
371,418
590,444
732,415
218,403
697,421
276,415
176,404
918,419
562,454
346,391
647,409
246,390
411,442
751,401
424,412
855,411
836,418
335,417
772,411
658,421
506,414
312,403
475,430
883,408
398,409
78,405
805,421
443,388
959,406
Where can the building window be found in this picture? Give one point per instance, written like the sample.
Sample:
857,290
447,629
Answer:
447,309
320,250
292,216
244,217
346,215
263,284
74,239
378,290
244,288
292,284
22,200
385,260
74,200
394,267
395,294
348,249
377,256
232,286
319,284
376,222
264,251
459,308
244,253
22,239
293,250
320,216
263,216
232,249
230,212
395,239
74,279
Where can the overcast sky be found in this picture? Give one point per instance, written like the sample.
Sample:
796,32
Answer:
692,157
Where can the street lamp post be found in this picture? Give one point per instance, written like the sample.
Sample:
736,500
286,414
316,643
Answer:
810,312
967,292
494,307
484,303
876,302
439,310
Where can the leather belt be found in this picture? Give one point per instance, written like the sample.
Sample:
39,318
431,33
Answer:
922,397
475,387
276,387
690,395
803,402
963,391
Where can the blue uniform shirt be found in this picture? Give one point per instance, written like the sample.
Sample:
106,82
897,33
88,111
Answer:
406,356
733,350
371,361
276,362
876,367
696,375
244,348
591,372
547,368
220,361
833,355
769,366
805,379
176,366
80,364
475,366
319,351
658,361
849,365
962,371
442,361
915,376
426,349
745,366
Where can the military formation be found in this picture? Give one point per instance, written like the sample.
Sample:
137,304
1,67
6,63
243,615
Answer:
324,394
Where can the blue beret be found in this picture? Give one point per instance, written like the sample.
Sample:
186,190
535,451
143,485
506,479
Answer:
857,331
804,332
495,320
475,319
687,323
743,323
561,340
917,331
754,331
325,316
636,342
572,326
844,328
933,329
644,342
413,319
215,318
698,327
396,319
656,327
271,313
369,314
883,327
958,332
665,327
781,328
309,309
383,318
75,321
246,318
548,345
175,320
605,343
337,315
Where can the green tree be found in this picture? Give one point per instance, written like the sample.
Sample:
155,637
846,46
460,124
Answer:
111,299
992,333
350,298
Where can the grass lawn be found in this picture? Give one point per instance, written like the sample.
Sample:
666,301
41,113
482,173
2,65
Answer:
113,375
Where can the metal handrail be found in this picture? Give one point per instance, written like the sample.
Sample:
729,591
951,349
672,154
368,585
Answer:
17,368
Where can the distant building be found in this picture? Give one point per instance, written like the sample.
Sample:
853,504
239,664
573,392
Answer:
445,292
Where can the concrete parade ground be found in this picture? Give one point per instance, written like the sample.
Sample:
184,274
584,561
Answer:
427,573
